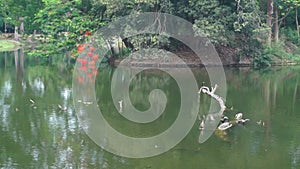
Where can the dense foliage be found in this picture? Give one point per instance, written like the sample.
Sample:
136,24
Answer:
260,30
64,26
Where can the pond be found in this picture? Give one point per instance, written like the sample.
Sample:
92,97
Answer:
39,127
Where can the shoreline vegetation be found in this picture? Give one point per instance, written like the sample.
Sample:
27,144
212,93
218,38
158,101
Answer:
9,45
258,33
187,56
191,60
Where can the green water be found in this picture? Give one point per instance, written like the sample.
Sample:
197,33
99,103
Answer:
41,135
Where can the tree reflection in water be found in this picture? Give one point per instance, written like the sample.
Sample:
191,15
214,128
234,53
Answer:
46,137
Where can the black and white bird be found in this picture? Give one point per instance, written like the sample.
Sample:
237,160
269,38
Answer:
224,126
224,119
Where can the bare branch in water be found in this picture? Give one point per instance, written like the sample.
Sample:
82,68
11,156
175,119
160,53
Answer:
209,122
211,93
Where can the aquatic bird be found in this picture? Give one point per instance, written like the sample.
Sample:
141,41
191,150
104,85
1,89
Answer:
224,126
201,127
224,119
120,106
242,121
239,116
87,103
260,122
31,101
62,108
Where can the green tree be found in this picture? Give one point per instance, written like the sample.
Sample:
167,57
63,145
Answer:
283,9
14,12
64,25
211,18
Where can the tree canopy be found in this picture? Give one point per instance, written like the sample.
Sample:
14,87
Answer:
250,28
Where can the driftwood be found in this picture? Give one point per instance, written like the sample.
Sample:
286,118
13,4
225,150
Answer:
208,124
211,93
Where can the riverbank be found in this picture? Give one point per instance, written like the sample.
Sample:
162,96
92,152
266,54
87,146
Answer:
227,58
9,45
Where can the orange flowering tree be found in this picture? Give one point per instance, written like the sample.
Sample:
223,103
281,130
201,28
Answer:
64,26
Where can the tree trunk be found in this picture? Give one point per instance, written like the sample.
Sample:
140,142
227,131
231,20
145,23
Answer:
110,48
276,26
16,35
5,29
127,43
22,28
269,21
295,95
297,23
22,59
16,54
5,60
22,25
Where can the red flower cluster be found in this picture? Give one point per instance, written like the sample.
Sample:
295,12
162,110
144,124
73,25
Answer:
80,47
88,64
87,33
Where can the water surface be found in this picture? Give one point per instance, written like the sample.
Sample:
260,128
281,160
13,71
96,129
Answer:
45,132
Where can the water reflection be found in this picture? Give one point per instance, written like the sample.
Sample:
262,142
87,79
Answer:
44,136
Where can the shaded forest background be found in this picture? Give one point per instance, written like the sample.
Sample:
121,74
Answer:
261,31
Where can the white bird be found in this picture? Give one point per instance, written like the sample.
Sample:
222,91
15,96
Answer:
239,116
201,127
260,123
62,108
31,101
242,121
121,106
224,126
87,103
